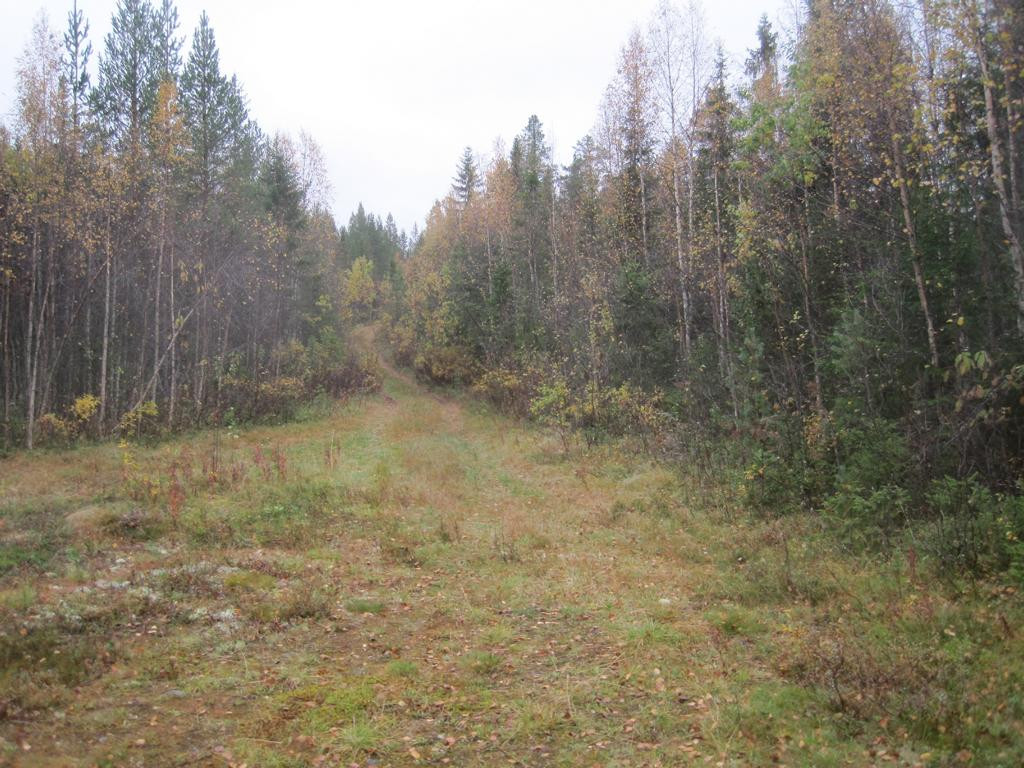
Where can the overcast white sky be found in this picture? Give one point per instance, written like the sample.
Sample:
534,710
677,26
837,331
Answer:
393,90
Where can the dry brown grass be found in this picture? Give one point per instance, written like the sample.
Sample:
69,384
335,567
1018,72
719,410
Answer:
441,584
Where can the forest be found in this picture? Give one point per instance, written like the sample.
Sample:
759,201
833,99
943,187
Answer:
813,268
700,445
165,264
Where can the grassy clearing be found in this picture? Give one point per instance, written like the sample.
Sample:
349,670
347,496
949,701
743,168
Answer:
411,579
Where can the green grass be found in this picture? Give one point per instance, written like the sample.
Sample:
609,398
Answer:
456,586
341,703
653,633
403,668
249,581
482,663
736,621
40,534
363,605
20,598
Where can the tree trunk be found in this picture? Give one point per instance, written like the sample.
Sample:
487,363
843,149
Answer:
161,356
172,395
987,281
724,359
995,145
684,277
806,284
105,350
30,368
46,357
1011,144
643,218
161,237
8,359
915,253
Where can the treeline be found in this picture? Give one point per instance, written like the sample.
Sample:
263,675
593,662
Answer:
162,262
815,263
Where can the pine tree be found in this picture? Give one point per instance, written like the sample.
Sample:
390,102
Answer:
128,73
167,53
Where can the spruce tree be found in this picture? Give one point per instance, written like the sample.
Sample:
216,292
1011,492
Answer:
467,179
77,51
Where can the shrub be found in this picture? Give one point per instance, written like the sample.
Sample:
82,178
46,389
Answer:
446,365
348,376
52,430
290,358
870,500
868,516
873,453
401,337
772,485
1011,520
553,405
597,411
247,400
140,421
278,397
860,674
974,529
83,413
633,411
319,369
509,389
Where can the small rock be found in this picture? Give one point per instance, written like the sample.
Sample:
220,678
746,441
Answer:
87,519
105,584
226,620
199,614
227,615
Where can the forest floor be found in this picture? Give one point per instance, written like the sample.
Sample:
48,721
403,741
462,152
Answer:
410,578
